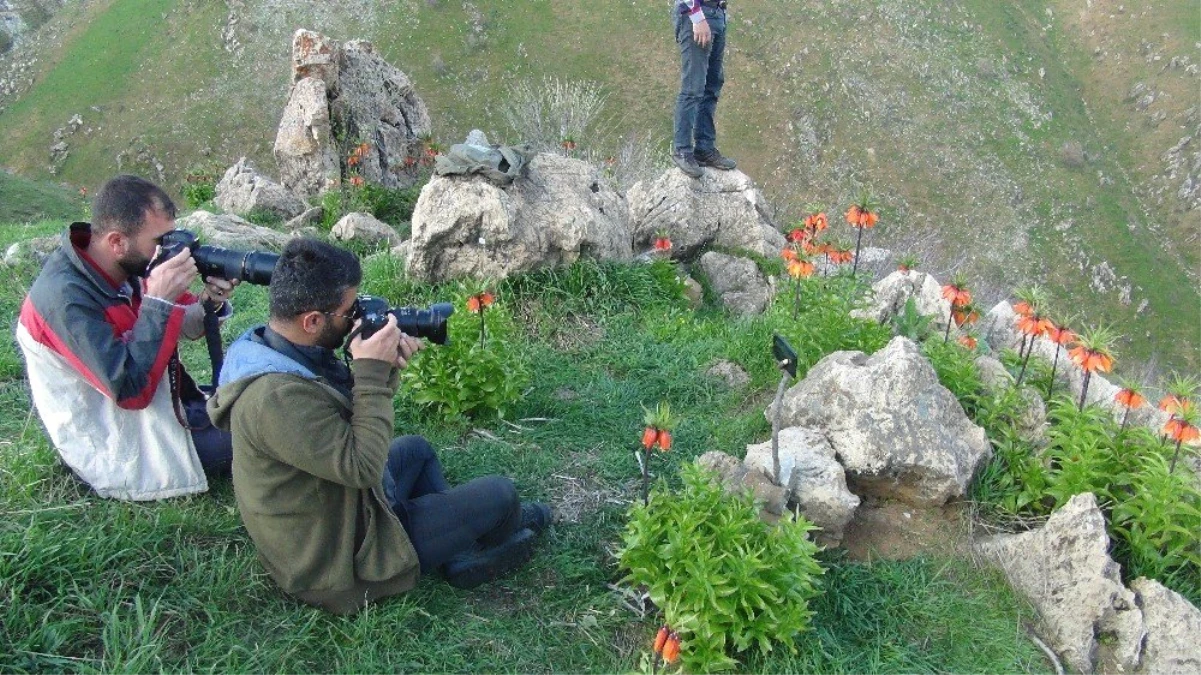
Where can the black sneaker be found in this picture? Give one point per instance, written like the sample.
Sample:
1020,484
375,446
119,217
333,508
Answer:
687,163
536,516
469,570
715,160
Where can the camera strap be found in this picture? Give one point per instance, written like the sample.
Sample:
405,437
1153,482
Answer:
212,339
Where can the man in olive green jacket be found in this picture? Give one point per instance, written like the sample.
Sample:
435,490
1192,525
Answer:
340,513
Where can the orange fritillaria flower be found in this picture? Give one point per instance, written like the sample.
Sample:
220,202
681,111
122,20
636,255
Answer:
1181,431
662,244
1033,324
649,436
1060,335
788,254
957,294
798,269
816,222
797,235
661,638
967,341
480,301
1089,360
671,649
1175,405
356,181
965,315
1022,308
664,440
860,217
842,255
1129,398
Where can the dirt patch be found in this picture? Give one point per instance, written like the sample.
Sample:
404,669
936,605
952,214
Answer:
892,530
576,492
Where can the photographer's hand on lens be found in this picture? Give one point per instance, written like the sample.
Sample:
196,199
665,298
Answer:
217,290
383,345
409,346
170,278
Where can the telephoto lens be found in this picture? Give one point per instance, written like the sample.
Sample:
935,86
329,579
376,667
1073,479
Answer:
420,323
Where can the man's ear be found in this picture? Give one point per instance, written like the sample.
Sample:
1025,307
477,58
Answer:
115,242
312,322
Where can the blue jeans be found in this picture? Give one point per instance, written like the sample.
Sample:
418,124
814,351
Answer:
442,521
701,78
214,447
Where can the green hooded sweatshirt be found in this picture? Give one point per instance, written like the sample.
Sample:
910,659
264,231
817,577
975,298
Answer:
307,472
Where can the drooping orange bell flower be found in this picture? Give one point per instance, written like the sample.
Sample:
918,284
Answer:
671,649
1091,361
798,269
1034,324
356,181
1060,335
789,254
1129,398
661,244
664,440
661,638
480,301
965,315
957,293
1178,429
797,235
968,341
816,222
1175,404
649,436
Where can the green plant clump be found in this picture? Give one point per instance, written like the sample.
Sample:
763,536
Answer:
724,579
469,376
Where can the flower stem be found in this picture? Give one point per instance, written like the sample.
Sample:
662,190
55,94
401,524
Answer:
1084,389
481,327
1051,384
950,319
858,239
1124,416
646,477
1022,374
1175,455
796,299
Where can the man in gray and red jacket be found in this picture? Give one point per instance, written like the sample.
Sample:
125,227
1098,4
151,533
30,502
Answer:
99,332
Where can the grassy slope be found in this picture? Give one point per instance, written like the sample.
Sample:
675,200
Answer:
940,109
23,200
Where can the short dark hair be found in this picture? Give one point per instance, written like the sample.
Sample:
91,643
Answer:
122,203
312,275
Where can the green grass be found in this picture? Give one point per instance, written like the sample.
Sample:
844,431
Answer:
23,201
94,585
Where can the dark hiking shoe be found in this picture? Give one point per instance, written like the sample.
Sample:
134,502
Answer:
536,516
469,570
687,163
715,160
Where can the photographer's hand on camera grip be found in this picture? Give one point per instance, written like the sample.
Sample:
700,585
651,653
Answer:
170,278
383,345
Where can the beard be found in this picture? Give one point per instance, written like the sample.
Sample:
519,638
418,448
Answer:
134,264
332,337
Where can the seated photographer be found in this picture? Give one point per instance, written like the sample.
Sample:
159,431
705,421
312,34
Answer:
99,331
342,513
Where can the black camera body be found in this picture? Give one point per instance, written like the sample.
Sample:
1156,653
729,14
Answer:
254,267
420,323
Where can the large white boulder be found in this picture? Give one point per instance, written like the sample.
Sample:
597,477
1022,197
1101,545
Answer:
898,432
1085,613
561,210
721,209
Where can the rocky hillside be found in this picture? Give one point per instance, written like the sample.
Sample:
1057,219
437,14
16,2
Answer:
1053,140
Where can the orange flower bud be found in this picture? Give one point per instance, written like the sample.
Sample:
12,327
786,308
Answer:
649,436
664,440
671,650
661,638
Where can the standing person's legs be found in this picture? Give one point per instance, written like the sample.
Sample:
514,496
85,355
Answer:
694,67
214,447
715,76
484,512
